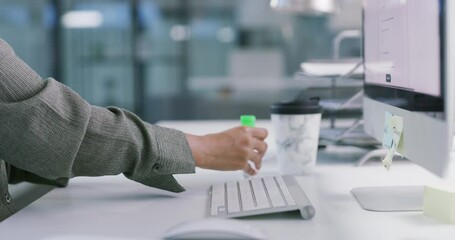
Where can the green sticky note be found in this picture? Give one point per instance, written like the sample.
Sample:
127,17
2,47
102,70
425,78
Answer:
248,120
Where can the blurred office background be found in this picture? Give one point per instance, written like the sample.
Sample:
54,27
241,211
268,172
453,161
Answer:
179,59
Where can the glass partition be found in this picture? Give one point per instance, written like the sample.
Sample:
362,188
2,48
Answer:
28,26
97,41
173,59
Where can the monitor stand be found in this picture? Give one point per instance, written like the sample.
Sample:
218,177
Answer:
390,198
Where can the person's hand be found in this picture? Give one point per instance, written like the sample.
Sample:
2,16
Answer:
230,150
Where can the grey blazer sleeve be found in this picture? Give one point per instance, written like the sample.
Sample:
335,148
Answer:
48,130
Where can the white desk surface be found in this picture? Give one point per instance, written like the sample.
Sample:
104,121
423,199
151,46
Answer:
117,208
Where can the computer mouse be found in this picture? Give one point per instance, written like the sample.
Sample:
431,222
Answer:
215,228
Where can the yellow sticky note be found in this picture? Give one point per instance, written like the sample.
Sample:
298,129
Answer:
393,128
387,138
392,131
439,203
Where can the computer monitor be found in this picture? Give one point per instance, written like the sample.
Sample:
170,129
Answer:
409,72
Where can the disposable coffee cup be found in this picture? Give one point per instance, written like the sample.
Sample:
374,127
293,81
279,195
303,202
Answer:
296,127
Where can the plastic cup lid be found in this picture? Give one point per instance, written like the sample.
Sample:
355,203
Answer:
297,106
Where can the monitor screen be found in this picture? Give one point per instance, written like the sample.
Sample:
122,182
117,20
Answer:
402,53
405,59
409,59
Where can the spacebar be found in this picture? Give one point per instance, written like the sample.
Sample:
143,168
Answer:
217,204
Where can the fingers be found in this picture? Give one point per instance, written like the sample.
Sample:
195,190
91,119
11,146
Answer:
256,154
259,146
248,149
259,133
249,170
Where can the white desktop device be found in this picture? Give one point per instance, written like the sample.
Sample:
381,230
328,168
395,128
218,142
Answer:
409,72
215,228
257,196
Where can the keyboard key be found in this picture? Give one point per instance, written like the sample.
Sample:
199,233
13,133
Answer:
274,193
221,210
285,191
246,195
217,198
233,204
262,201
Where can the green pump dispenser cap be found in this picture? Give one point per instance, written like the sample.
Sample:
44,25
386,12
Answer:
248,120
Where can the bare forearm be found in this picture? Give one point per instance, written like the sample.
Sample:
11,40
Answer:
197,148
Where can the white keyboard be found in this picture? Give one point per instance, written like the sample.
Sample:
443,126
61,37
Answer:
256,196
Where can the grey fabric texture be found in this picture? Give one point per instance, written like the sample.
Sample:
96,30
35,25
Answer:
49,134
